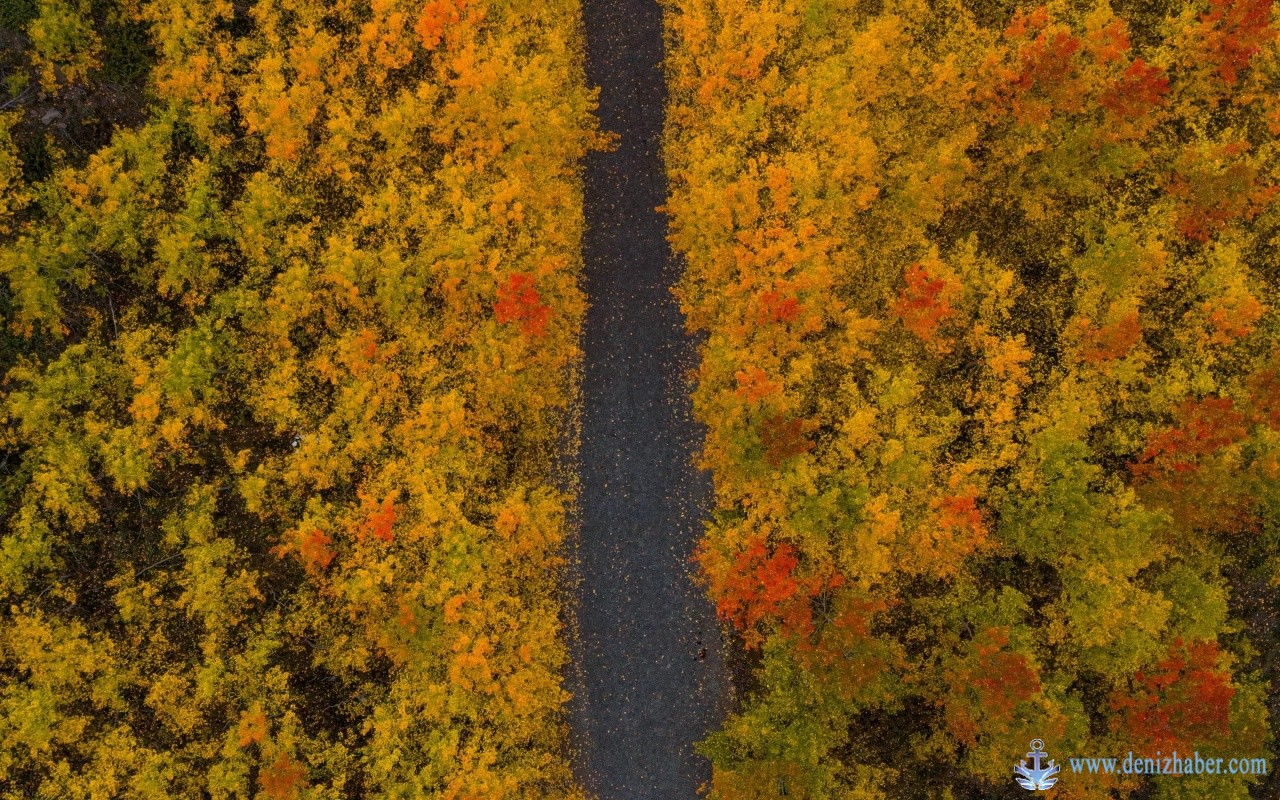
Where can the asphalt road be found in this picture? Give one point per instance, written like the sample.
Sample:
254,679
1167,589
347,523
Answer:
649,675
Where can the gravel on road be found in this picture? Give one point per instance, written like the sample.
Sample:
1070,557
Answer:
649,674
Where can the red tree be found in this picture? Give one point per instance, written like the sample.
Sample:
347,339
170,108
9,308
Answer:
1182,702
519,301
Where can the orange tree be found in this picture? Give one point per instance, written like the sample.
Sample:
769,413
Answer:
990,382
287,372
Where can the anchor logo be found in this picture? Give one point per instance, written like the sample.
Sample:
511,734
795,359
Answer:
1036,778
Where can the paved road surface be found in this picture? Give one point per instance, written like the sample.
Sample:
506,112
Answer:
650,675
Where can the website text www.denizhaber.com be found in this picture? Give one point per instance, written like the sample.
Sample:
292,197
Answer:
1172,764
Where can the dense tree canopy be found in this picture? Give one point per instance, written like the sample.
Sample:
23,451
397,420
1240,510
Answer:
287,367
991,381
990,293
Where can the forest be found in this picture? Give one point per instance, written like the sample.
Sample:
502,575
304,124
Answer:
991,381
291,298
986,299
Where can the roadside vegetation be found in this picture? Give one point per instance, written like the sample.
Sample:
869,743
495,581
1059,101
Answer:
992,384
286,366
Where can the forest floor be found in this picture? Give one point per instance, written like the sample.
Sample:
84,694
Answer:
649,676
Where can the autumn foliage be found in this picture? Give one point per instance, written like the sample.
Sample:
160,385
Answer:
1183,699
519,302
1012,452
285,368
